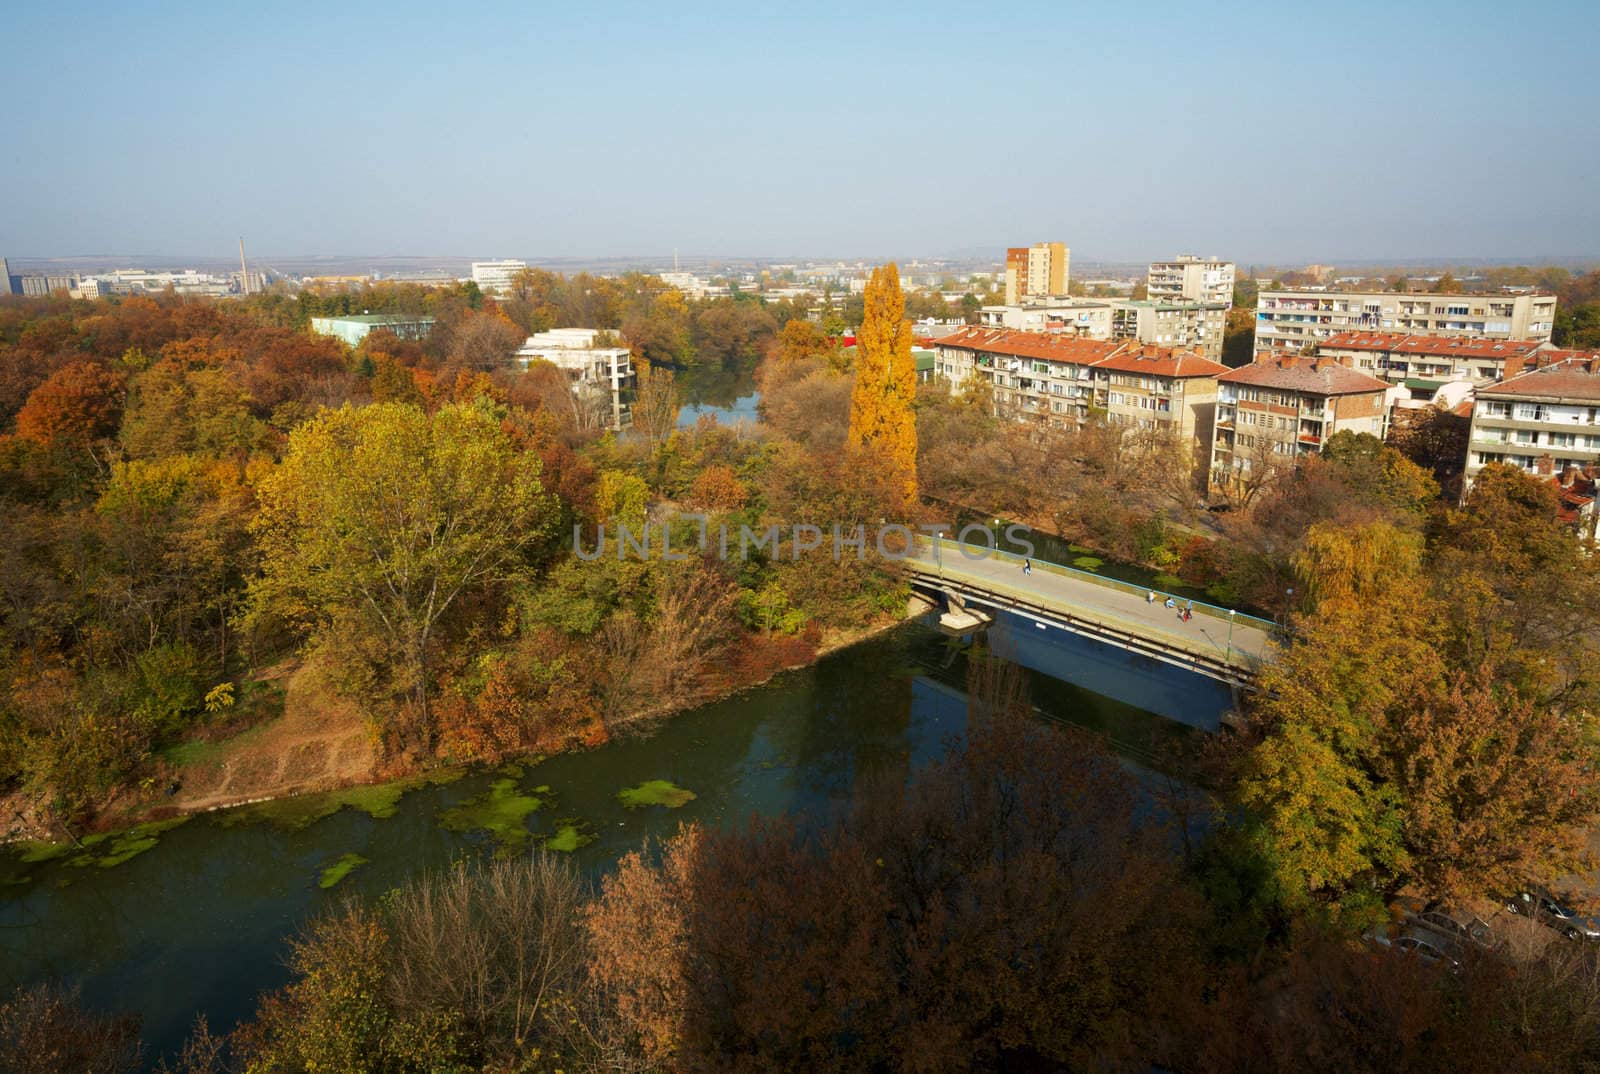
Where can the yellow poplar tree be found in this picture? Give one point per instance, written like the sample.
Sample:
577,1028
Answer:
881,419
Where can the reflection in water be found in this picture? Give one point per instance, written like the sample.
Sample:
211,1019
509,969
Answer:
197,924
729,394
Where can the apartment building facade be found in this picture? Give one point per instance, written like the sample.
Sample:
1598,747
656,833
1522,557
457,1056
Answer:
1058,379
1295,320
1161,388
1188,278
1196,326
1273,411
1089,318
1038,271
1421,361
1544,420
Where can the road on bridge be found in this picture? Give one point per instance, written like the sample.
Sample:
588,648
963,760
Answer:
1115,607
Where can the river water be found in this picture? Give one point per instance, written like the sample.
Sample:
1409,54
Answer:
197,923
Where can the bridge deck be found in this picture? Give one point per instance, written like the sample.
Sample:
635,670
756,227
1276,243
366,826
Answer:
1205,634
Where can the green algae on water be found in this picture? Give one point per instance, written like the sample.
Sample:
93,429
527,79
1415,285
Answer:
378,800
1088,563
340,869
114,848
570,834
655,792
502,811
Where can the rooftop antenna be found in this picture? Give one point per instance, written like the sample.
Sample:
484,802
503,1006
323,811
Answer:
244,273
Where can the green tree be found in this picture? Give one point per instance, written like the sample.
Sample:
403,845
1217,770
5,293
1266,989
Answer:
390,516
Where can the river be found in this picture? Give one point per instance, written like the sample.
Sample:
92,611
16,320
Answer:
198,922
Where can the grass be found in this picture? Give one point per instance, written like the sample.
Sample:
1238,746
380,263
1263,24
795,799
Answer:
502,812
655,792
340,869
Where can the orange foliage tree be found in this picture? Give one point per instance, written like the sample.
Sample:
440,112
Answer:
881,420
77,404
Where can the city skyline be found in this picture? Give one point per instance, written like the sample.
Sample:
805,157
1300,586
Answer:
560,135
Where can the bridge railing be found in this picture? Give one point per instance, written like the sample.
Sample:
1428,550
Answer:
952,548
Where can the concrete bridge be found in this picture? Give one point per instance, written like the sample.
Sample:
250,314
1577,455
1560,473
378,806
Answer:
1220,643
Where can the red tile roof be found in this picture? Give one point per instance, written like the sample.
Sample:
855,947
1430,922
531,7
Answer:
1452,346
1122,356
1162,362
1312,376
1043,345
1574,378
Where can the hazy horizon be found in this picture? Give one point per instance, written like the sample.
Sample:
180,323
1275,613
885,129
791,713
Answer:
1258,134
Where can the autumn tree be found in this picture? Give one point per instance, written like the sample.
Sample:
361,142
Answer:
387,516
994,910
882,421
77,405
655,409
1378,762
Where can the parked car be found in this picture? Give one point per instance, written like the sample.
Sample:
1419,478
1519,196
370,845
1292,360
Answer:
1421,943
1459,926
1543,907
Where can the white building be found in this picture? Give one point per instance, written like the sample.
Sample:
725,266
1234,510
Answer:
1549,414
1188,278
1190,325
494,277
593,370
1292,320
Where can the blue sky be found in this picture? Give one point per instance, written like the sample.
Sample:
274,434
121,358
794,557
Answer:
1256,131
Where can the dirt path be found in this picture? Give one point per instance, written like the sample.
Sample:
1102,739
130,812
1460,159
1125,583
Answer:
319,742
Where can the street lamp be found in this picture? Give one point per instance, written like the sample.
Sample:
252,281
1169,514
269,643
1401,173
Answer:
937,557
1288,610
1231,614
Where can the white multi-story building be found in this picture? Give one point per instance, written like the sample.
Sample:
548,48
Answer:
1294,320
494,277
600,370
1195,326
1544,419
1188,278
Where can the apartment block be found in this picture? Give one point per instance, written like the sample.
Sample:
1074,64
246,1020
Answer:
1196,326
1188,278
1086,317
1295,320
1544,419
1283,406
1037,271
1162,388
1058,379
1427,362
494,277
590,365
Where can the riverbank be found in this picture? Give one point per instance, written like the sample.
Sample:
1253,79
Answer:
320,744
